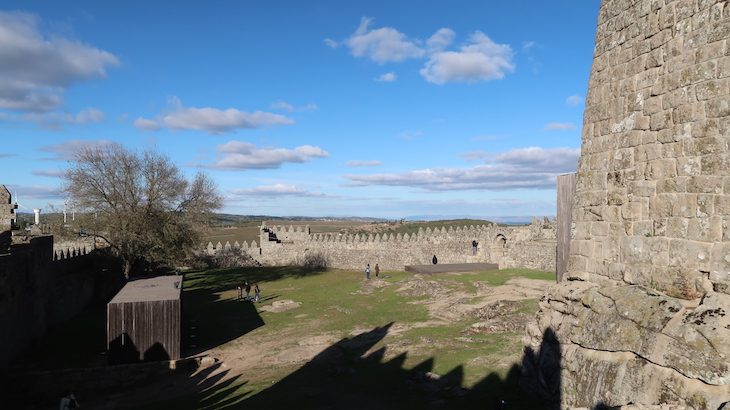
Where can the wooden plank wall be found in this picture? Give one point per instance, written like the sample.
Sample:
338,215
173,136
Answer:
566,197
147,331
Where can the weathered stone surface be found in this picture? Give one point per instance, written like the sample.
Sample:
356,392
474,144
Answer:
643,318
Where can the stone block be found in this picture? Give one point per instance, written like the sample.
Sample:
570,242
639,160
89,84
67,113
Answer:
689,254
672,185
642,188
687,166
720,261
705,205
705,184
660,121
705,229
677,227
721,205
632,211
661,169
706,128
644,250
718,107
711,89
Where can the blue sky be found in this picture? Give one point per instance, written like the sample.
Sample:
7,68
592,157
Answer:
315,108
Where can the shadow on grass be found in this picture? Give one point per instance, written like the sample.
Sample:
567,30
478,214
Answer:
346,376
209,321
227,279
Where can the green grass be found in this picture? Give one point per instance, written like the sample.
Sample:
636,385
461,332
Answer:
361,324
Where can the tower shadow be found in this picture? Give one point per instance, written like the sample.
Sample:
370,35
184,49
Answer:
541,371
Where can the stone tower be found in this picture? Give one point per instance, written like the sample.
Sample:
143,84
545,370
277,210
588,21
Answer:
643,314
7,210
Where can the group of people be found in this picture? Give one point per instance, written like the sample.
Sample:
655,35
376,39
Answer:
247,287
367,271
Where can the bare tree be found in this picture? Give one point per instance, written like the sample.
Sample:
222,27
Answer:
143,206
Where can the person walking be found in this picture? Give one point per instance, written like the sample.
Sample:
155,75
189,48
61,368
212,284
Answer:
248,291
377,270
256,293
240,292
367,272
68,401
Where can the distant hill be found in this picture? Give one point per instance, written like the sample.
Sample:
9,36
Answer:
230,218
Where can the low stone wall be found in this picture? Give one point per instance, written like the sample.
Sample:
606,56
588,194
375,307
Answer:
43,389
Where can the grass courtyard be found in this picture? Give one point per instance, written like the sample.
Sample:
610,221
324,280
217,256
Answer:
400,341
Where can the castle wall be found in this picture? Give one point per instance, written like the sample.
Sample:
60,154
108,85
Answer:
40,289
642,317
529,247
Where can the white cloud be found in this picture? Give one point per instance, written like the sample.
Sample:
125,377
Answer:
357,163
65,151
281,105
474,155
480,61
387,77
55,120
35,71
558,126
89,115
574,100
487,137
22,192
8,155
236,156
381,45
530,168
279,190
211,120
146,125
48,173
526,46
331,43
441,39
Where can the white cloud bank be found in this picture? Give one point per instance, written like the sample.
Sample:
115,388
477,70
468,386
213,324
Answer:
357,163
559,126
573,100
530,168
279,190
211,120
35,71
481,59
65,151
238,156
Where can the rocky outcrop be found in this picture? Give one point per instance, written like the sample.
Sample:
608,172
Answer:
624,344
641,317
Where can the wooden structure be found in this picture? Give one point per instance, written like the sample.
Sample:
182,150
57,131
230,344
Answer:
566,197
143,321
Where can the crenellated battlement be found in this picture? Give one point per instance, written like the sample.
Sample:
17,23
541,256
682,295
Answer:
524,246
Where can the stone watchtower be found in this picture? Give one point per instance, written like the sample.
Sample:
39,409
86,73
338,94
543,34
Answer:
643,313
7,210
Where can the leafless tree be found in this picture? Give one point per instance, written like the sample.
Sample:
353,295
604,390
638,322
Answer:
143,207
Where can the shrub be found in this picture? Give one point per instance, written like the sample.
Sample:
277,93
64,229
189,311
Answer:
315,261
233,258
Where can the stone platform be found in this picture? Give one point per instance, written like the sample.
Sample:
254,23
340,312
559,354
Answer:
450,267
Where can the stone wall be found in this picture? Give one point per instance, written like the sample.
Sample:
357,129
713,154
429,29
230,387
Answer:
528,247
643,315
40,288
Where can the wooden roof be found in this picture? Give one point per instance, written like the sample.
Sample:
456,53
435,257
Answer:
150,289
